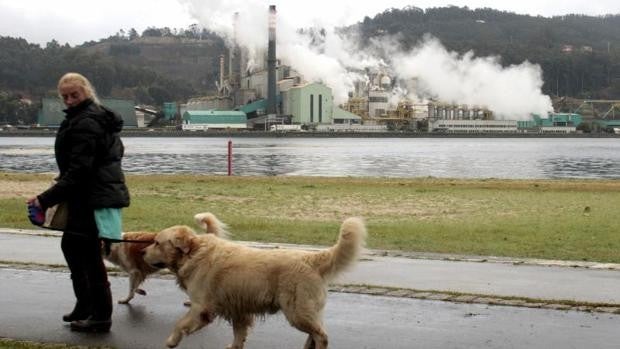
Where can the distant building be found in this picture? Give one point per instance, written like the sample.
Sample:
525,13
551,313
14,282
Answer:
309,104
472,126
194,120
51,113
559,119
559,123
344,117
378,103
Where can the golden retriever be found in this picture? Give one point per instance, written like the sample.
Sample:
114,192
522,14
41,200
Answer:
128,255
236,282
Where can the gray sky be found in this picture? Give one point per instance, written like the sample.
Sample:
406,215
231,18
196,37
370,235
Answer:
77,21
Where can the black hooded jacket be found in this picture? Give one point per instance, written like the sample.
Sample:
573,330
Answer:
88,153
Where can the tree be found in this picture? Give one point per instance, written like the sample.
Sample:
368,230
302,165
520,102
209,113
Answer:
133,34
159,94
152,32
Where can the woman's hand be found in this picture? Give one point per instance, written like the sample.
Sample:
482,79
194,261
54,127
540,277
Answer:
34,201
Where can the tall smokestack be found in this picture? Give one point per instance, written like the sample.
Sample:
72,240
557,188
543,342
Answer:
271,62
221,71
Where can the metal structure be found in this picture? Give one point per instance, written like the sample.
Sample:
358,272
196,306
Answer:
611,107
449,111
271,63
357,106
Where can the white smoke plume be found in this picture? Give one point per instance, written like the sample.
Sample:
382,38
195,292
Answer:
331,62
512,92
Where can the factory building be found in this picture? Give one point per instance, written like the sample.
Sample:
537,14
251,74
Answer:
554,123
379,95
472,126
51,113
269,93
378,103
559,120
449,111
343,117
309,104
194,120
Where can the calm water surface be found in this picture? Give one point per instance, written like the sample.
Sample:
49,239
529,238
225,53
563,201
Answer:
517,158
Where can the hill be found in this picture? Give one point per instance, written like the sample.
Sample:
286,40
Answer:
149,69
579,55
195,62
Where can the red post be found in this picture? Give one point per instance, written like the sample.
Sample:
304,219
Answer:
230,157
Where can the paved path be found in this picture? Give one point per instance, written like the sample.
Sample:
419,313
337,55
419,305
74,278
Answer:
544,280
33,300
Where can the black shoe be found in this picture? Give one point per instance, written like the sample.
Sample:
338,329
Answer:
91,325
75,315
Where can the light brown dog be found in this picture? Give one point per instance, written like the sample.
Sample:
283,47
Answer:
129,256
237,283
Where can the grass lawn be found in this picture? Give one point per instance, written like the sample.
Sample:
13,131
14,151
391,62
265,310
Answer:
563,219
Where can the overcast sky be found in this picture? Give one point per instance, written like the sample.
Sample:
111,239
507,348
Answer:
77,21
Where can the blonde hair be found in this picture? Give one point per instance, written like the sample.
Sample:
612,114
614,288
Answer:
77,79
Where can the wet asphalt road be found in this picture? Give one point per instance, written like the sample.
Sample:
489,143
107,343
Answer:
32,303
500,279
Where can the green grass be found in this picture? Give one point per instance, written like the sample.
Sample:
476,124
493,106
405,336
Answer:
515,218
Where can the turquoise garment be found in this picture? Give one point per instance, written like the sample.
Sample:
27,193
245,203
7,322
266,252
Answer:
109,223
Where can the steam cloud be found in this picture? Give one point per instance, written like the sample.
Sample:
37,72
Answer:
512,92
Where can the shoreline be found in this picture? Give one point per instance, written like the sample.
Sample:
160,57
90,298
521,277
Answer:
271,134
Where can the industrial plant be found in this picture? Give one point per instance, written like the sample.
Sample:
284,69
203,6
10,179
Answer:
275,97
271,95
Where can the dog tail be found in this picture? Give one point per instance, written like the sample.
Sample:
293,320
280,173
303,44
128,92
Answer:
211,225
346,251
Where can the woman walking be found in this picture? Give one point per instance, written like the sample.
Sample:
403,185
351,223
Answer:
88,153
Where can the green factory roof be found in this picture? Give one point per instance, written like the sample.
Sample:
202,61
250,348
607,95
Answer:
260,104
51,114
340,113
254,106
558,118
215,116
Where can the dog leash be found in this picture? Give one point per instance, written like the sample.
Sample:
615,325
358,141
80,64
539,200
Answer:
107,243
123,240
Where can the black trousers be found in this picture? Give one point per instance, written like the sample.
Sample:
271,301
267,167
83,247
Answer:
88,273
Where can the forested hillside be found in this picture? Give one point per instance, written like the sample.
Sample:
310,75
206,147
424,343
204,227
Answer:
155,67
579,55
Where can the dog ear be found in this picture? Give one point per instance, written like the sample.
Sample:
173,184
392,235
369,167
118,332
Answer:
182,240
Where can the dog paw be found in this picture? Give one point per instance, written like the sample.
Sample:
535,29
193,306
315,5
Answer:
124,301
173,340
140,291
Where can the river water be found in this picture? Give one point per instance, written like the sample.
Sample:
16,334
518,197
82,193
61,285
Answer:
512,158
